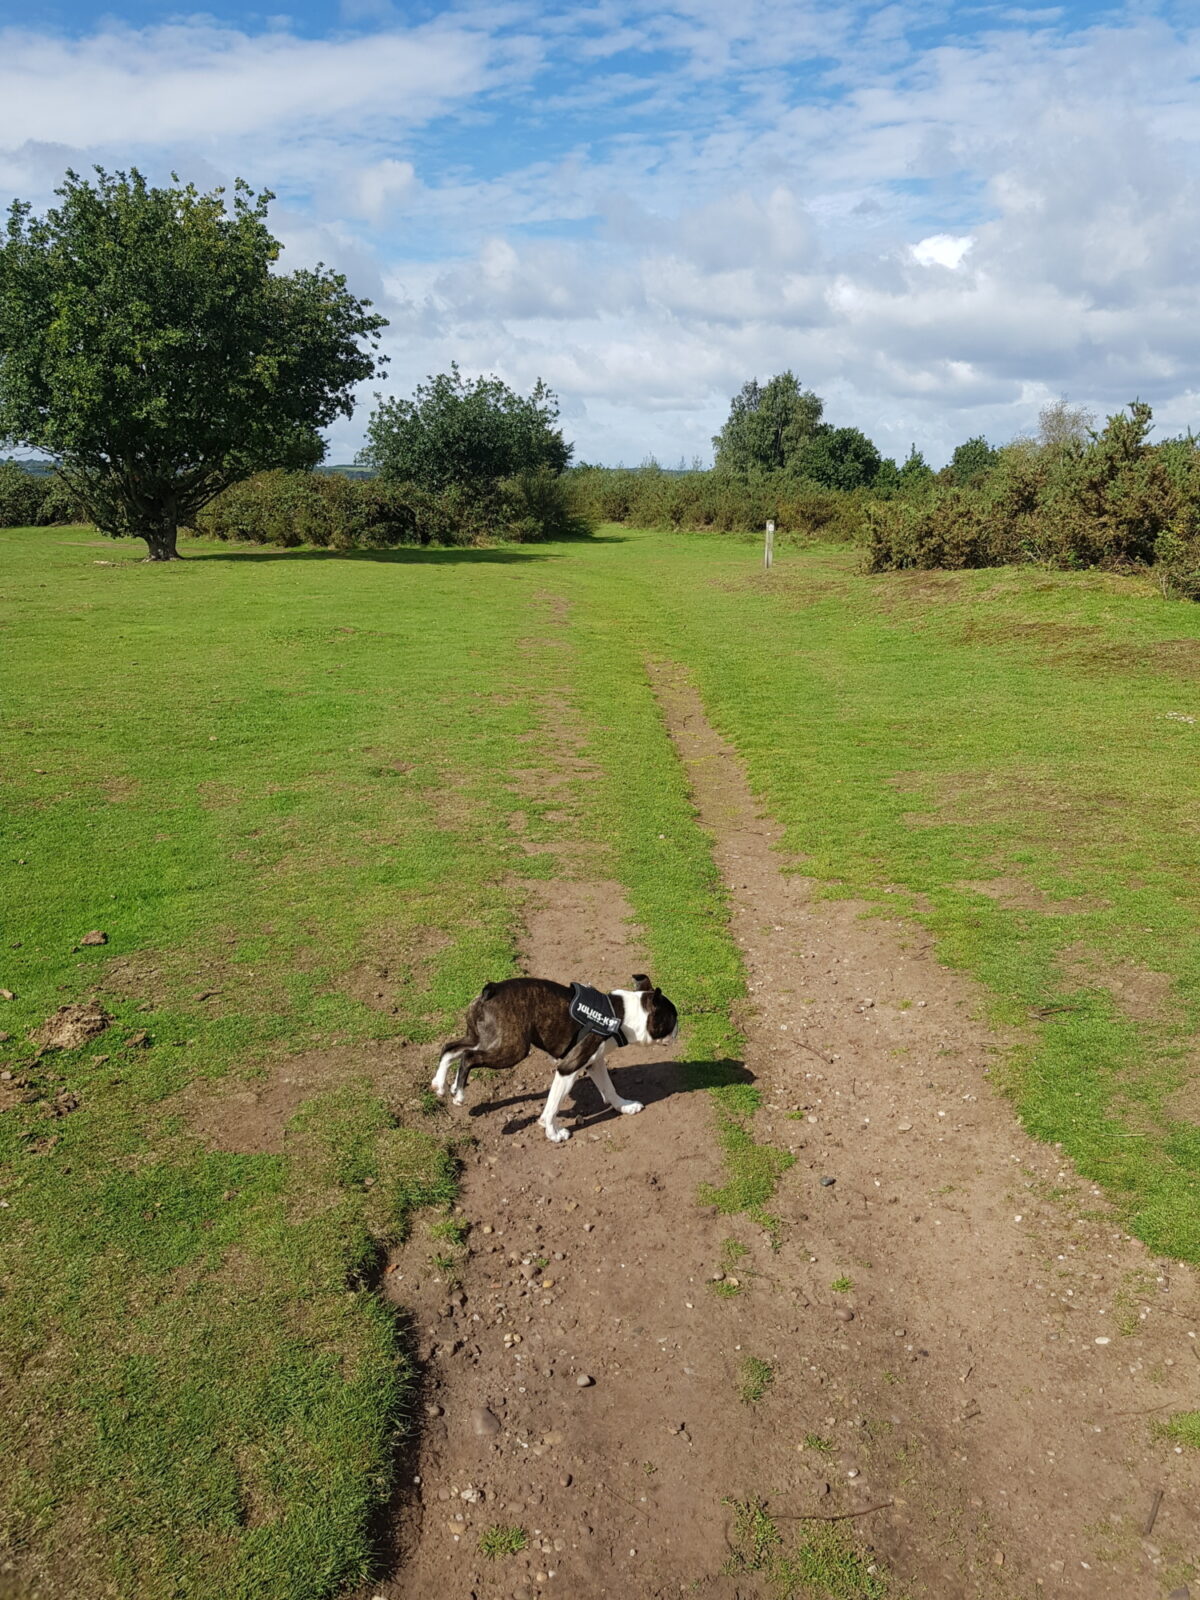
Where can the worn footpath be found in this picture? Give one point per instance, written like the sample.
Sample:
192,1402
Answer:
961,1355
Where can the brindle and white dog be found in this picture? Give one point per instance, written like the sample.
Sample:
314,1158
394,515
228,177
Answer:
507,1020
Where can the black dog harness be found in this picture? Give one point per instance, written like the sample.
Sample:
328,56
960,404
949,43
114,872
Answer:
595,1012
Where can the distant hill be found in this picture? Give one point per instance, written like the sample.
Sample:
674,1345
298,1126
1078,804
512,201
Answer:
36,469
349,470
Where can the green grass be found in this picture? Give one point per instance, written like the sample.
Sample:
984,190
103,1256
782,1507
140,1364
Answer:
1183,1428
254,776
925,738
821,1563
842,1285
498,1541
754,1379
268,776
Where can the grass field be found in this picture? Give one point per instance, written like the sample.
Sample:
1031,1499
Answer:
265,775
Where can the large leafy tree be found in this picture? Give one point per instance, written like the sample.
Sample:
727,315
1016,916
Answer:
466,433
148,345
767,426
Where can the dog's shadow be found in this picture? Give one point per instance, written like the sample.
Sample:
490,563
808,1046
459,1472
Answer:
648,1082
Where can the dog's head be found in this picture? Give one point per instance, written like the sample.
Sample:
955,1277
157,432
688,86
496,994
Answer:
661,1023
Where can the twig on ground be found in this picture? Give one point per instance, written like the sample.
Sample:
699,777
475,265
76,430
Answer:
830,1516
1144,1411
1152,1517
813,1052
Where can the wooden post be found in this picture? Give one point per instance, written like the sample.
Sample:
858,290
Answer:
769,547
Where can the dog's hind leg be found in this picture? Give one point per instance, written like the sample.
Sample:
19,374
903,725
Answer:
451,1053
496,1058
598,1073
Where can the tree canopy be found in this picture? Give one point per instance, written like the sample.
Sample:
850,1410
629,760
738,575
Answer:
767,426
778,427
148,345
466,433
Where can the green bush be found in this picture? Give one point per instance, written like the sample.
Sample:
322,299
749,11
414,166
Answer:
33,500
1109,499
340,513
648,497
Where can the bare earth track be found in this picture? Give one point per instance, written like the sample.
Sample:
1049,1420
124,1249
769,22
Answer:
989,1379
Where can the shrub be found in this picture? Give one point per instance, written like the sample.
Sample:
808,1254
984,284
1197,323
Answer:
1072,499
647,497
33,500
340,513
21,496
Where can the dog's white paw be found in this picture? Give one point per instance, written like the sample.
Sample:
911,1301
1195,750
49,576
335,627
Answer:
459,1098
557,1135
439,1089
628,1107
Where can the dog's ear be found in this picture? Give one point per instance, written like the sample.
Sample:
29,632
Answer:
641,981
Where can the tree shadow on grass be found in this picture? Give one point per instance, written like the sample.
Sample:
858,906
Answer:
401,556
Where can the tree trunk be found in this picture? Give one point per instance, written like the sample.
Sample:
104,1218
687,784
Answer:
160,541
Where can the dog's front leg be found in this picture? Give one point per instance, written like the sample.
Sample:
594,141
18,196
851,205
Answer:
567,1075
559,1089
598,1073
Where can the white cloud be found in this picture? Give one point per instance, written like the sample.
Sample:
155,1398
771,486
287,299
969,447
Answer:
196,81
942,250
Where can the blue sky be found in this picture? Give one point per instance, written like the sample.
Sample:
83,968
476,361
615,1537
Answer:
940,216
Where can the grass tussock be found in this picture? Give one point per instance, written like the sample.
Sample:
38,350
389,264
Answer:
820,1563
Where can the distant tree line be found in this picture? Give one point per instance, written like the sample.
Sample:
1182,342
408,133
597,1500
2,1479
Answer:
152,351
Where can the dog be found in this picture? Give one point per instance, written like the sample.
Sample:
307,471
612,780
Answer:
574,1025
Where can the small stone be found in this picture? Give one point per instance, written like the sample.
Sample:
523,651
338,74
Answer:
822,1490
998,1558
433,1411
484,1422
585,1380
852,1473
844,1314
7,994
904,1127
566,1480
827,1183
94,937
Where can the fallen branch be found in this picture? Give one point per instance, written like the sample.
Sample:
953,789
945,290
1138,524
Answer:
1152,1518
813,1052
830,1516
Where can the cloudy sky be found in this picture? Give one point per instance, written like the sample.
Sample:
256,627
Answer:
940,215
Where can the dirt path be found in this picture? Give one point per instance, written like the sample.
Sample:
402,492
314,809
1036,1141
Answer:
991,1371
